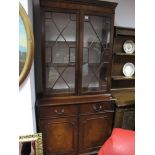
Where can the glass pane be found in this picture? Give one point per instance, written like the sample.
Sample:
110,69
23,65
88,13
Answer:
89,75
50,30
72,54
96,24
85,55
69,78
60,54
94,53
106,33
60,84
60,20
48,54
51,77
95,44
70,32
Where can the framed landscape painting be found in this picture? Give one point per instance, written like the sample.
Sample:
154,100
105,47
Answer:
26,44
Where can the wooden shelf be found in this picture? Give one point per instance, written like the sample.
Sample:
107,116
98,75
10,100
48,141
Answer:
123,31
123,78
124,97
120,57
60,64
121,89
124,54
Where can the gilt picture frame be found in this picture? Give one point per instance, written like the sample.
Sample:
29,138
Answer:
31,144
26,44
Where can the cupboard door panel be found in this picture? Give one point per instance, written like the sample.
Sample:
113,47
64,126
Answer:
94,130
125,118
59,136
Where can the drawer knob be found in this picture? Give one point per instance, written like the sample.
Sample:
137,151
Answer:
97,108
59,112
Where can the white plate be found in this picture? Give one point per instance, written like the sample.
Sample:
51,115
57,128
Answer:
129,46
128,69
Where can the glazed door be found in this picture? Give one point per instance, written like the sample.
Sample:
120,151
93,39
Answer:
96,51
94,130
60,51
59,136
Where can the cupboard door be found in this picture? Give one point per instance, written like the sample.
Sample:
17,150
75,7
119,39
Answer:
59,136
96,53
94,130
60,51
125,118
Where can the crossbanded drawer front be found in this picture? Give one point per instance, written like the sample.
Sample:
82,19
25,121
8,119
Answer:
57,111
96,107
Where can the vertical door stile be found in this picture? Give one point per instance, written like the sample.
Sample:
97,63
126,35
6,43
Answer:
77,52
43,50
111,51
81,29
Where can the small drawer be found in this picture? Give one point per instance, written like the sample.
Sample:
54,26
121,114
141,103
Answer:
97,107
57,111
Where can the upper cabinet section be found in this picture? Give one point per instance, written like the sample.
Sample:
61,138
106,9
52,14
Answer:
76,46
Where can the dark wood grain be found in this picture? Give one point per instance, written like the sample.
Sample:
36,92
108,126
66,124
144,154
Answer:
125,111
38,47
124,54
73,122
124,31
62,120
119,41
119,77
87,2
59,135
125,118
119,62
94,130
50,101
124,97
98,107
98,6
57,111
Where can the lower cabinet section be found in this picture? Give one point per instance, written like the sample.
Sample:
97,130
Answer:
125,118
75,129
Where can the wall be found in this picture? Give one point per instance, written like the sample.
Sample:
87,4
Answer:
27,90
125,13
